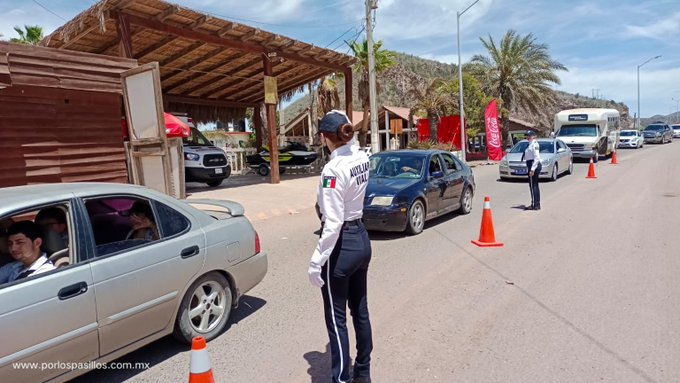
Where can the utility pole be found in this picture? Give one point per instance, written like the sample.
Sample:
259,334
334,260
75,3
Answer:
463,138
372,93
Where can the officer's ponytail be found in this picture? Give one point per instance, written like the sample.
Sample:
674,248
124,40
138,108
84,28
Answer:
343,135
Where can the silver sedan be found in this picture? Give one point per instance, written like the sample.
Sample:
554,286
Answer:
556,158
131,265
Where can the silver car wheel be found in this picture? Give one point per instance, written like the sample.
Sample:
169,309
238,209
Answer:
553,176
416,220
207,306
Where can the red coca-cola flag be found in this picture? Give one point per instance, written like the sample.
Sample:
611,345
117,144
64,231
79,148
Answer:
493,132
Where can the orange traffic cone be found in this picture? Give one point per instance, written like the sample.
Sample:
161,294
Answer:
614,161
487,238
200,370
591,169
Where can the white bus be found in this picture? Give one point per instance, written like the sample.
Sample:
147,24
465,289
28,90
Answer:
589,132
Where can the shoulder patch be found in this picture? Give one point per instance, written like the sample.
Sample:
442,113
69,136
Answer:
329,182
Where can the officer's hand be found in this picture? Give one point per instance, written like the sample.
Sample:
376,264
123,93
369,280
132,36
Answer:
531,173
315,275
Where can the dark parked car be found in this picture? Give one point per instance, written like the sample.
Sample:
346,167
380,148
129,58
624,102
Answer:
408,187
659,133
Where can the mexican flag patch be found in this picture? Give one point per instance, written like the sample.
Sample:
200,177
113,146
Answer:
329,182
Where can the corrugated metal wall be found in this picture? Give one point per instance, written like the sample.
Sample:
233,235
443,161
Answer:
59,135
60,116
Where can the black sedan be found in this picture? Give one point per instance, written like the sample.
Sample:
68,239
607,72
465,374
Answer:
408,187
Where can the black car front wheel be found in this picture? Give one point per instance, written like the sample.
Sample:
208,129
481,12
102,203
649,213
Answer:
466,201
416,217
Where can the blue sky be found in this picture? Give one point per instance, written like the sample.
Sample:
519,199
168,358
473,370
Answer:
601,42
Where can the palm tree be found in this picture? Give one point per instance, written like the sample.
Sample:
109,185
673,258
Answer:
432,100
518,72
383,60
328,96
31,35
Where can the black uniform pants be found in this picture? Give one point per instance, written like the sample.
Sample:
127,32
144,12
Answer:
533,184
345,284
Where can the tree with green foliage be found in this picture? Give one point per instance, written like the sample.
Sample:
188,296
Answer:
328,95
475,102
383,60
30,35
431,101
518,72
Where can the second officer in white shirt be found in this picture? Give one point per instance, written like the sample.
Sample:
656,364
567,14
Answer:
532,157
339,265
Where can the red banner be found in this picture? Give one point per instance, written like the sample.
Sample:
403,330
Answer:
449,131
423,130
493,132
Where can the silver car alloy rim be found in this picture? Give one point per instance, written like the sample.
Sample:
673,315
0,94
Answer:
467,200
417,216
207,306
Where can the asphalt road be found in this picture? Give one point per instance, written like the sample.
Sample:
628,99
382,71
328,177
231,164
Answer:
584,290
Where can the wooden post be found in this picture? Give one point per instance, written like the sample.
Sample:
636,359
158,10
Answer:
348,94
271,126
124,40
259,129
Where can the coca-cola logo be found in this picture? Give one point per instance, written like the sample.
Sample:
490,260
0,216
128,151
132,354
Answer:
494,134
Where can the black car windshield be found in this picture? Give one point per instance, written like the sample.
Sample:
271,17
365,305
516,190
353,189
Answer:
397,165
543,147
627,133
578,131
675,127
196,139
653,128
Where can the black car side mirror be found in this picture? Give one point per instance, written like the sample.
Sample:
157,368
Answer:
437,174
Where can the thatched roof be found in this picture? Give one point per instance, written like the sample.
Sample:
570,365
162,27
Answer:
201,57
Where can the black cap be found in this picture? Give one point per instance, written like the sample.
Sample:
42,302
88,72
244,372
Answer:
332,121
530,133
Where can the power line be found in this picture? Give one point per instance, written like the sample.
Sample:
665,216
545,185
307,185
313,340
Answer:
337,38
353,38
48,10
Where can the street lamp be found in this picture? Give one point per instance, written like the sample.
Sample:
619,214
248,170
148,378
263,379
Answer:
638,88
460,85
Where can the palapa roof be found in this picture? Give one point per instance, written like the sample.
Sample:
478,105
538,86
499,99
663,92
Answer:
207,63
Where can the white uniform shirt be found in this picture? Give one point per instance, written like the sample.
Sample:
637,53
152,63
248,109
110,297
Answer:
340,196
532,153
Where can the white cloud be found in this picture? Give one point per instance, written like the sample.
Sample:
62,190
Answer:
666,29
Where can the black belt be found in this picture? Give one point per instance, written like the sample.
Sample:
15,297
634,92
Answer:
356,222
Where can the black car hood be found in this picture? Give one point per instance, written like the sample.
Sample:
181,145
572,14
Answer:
388,186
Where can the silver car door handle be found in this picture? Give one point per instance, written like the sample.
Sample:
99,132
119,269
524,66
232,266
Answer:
189,252
72,291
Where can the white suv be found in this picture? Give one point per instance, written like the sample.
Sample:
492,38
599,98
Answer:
203,161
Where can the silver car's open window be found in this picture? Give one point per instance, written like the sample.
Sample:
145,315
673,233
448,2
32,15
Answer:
55,223
121,222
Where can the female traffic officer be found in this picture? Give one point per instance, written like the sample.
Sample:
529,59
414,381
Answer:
533,159
339,264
